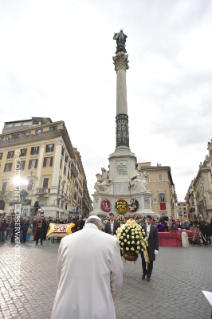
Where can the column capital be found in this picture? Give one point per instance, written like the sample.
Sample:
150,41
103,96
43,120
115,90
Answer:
59,142
121,61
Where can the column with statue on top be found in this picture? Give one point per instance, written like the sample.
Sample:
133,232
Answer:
123,189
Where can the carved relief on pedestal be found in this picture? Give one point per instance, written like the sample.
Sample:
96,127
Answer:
104,180
138,180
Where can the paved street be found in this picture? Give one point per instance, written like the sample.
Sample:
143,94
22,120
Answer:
179,276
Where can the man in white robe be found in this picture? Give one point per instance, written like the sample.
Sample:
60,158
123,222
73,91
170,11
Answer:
89,274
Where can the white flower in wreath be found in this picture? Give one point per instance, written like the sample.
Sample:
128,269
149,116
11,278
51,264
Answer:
132,237
122,244
137,237
121,237
132,242
138,247
132,249
127,248
125,240
128,236
136,251
138,242
128,242
142,250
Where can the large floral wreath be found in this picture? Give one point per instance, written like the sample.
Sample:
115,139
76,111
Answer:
106,205
132,238
133,205
121,206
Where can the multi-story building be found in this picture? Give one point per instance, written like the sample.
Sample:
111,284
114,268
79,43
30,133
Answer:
182,211
41,153
191,203
160,183
199,194
82,201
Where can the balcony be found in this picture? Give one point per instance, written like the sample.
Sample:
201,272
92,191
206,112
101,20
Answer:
4,193
42,191
207,207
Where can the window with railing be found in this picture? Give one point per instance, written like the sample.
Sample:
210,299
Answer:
30,184
45,182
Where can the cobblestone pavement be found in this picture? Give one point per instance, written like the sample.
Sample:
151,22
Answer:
179,276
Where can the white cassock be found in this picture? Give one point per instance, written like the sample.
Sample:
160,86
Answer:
89,275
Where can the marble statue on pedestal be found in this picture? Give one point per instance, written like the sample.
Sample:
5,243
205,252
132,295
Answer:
103,182
138,180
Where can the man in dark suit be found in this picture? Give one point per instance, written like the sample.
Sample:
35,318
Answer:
112,225
40,229
152,234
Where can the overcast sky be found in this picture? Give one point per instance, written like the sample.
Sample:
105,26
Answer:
56,61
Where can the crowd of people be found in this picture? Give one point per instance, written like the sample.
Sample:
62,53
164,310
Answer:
28,227
199,225
32,226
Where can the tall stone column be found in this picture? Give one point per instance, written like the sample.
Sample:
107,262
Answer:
122,131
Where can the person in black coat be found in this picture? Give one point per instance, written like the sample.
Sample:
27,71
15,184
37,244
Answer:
4,226
13,231
80,223
152,234
112,225
202,227
25,226
40,229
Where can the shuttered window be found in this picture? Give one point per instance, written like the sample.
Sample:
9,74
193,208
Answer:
33,164
8,167
48,161
22,165
10,154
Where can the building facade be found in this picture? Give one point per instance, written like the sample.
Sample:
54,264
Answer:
182,210
37,155
199,194
160,183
